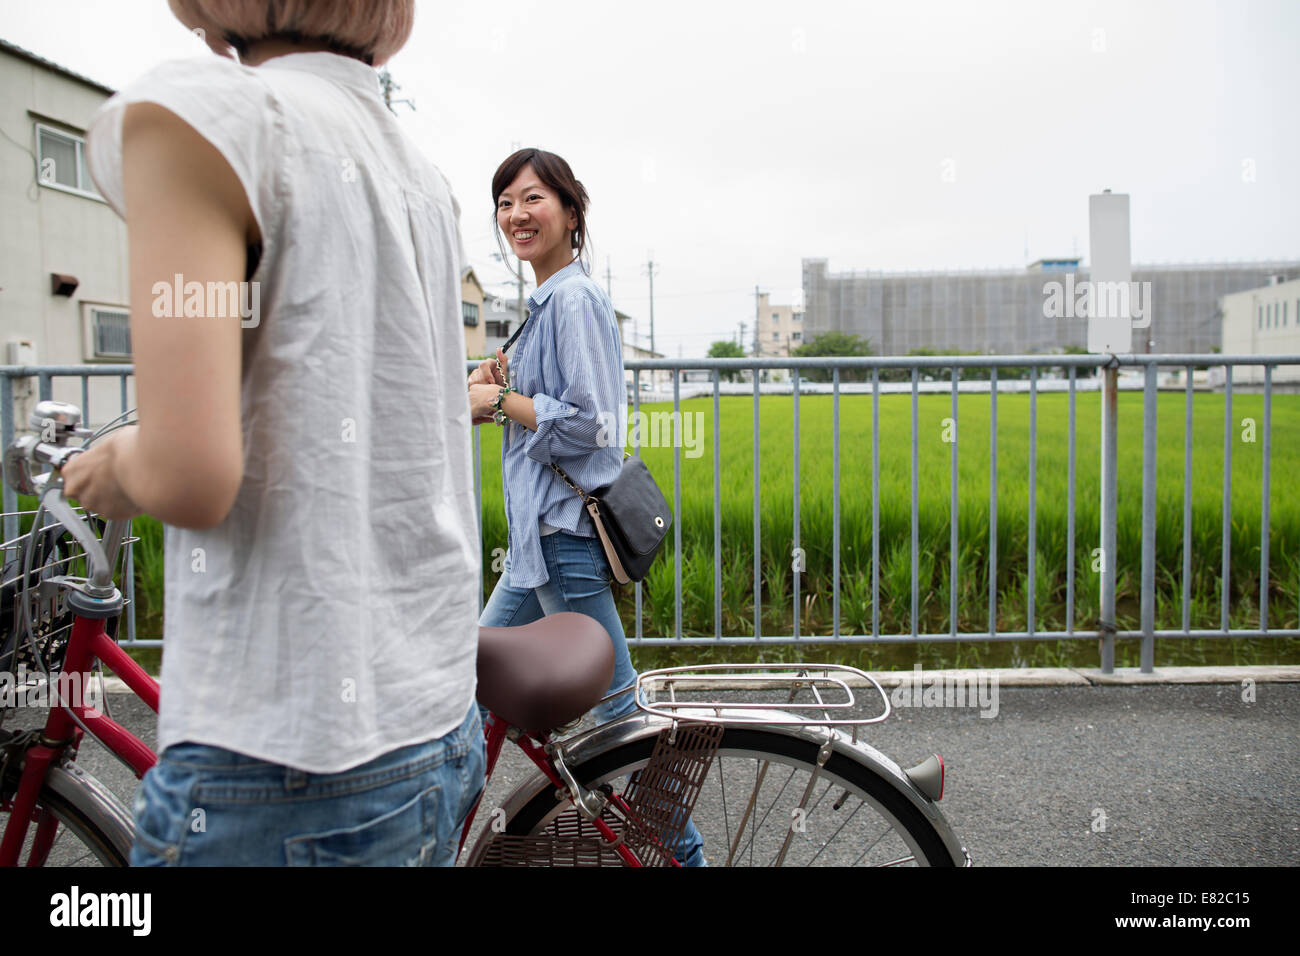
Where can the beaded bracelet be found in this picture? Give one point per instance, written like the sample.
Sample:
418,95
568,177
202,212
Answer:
499,415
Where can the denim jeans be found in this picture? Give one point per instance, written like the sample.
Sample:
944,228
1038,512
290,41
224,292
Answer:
578,579
206,806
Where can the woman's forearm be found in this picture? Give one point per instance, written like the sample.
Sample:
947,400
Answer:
189,487
519,408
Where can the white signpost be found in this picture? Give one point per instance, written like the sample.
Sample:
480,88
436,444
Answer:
1110,325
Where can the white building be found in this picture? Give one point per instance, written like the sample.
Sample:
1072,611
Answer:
63,252
1263,321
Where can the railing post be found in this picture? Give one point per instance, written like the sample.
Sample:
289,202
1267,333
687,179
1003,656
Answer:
1109,445
1149,397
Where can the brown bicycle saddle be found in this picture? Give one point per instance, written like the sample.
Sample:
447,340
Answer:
541,675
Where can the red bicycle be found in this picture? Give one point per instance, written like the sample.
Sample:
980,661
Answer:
768,781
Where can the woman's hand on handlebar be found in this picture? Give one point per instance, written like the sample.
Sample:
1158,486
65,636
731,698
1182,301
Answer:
91,477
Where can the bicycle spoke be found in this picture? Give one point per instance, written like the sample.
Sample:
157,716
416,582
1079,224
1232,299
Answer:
770,807
749,808
722,780
837,831
872,846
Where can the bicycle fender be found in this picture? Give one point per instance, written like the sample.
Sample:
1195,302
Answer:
85,792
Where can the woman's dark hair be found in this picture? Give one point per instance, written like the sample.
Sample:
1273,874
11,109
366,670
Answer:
555,174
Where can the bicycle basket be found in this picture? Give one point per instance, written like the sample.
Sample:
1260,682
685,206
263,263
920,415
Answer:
54,552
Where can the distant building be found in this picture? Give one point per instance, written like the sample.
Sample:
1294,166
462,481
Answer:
63,252
471,313
780,327
1002,311
656,381
501,317
1263,321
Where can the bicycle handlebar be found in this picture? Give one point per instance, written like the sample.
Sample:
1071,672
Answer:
61,421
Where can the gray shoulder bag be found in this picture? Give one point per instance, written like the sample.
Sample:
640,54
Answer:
631,518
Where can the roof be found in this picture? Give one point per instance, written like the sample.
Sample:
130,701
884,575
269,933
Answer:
51,65
468,274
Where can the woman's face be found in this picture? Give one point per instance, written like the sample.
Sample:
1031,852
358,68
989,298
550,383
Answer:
536,223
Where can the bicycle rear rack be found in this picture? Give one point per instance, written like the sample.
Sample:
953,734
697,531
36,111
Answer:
819,680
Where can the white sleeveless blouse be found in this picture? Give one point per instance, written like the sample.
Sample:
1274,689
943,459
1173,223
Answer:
332,617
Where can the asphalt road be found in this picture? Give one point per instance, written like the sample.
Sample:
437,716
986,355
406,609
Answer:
1144,775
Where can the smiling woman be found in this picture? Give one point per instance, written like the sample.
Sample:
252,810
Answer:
565,389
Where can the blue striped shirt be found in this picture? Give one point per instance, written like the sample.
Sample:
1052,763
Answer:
569,359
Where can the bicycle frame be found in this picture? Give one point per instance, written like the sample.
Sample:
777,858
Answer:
89,640
534,746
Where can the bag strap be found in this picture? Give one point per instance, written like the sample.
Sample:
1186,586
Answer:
581,494
568,481
611,553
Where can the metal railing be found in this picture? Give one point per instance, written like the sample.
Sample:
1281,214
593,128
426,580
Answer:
1108,382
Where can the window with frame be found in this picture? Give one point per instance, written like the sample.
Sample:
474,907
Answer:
61,162
108,332
469,312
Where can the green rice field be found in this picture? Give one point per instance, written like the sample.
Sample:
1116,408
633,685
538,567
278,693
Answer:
776,470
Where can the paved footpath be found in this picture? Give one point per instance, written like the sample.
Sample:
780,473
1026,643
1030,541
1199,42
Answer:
1075,768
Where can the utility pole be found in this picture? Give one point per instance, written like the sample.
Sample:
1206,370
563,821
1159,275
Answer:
609,287
741,341
650,270
522,314
758,345
389,87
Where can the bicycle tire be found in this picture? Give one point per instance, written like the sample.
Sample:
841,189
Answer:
78,836
908,836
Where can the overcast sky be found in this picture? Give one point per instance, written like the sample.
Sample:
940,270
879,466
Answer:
731,140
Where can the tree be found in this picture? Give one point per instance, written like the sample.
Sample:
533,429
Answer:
726,349
831,344
1079,350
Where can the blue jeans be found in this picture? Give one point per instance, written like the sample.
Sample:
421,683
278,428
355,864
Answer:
206,806
578,579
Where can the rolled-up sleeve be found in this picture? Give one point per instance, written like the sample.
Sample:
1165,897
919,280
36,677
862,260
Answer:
583,417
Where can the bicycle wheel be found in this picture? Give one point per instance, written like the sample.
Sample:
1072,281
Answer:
78,840
752,812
